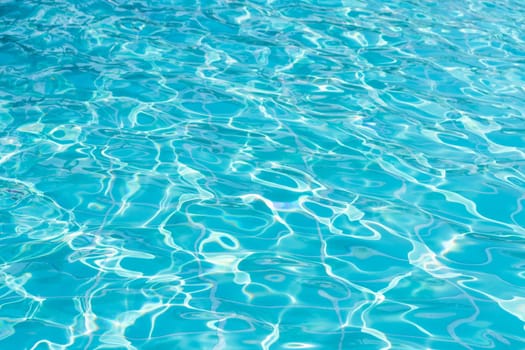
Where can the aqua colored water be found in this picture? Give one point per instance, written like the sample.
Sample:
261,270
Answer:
262,174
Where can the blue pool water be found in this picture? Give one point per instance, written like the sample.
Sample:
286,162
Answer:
258,174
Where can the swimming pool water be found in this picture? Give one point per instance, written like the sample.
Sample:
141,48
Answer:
262,174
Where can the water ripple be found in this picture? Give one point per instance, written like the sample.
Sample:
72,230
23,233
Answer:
262,174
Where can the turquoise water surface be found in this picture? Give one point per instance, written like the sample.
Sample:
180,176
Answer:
258,174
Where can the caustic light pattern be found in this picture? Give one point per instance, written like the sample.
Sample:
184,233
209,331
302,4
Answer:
262,174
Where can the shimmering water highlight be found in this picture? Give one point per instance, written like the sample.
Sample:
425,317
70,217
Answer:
261,174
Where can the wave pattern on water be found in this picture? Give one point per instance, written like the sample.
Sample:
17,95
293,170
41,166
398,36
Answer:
222,174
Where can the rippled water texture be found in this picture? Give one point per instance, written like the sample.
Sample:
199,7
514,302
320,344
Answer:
262,174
